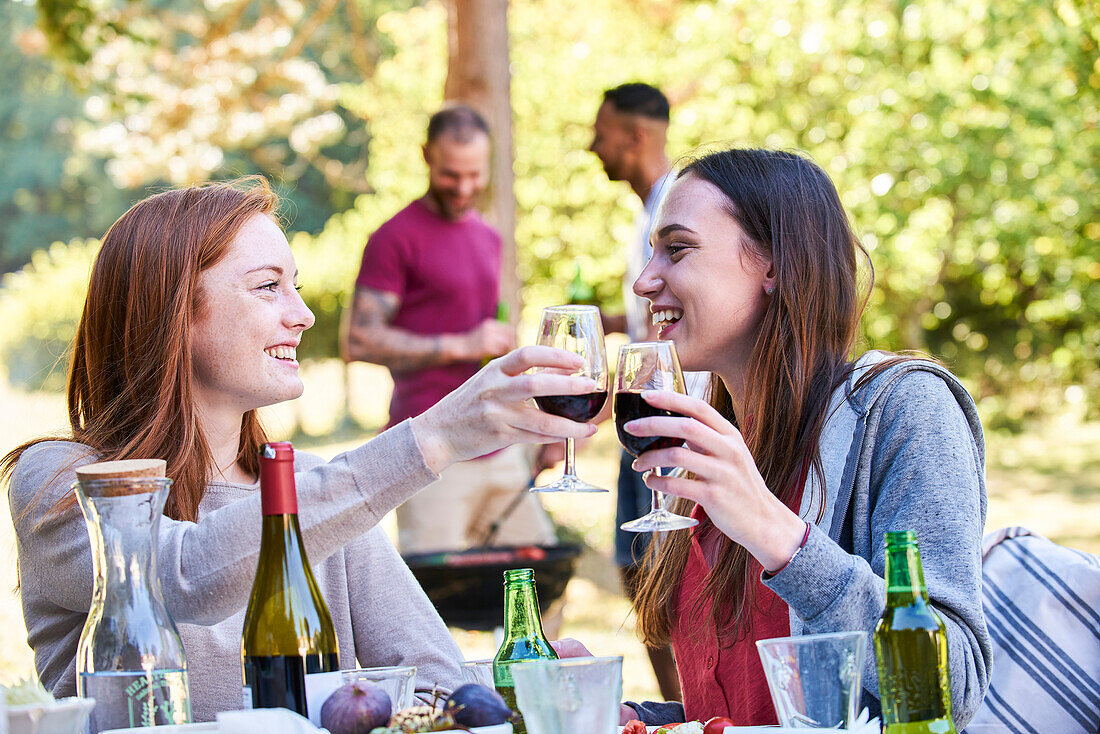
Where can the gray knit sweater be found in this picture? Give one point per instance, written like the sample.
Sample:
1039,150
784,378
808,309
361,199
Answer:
381,615
904,452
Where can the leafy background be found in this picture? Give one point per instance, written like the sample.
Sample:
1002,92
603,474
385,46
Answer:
962,136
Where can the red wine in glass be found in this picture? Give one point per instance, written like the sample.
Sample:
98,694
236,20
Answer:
580,408
648,366
575,329
630,406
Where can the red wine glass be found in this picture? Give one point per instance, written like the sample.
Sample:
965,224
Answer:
576,329
648,366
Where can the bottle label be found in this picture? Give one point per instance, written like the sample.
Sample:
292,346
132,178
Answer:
127,699
153,700
246,698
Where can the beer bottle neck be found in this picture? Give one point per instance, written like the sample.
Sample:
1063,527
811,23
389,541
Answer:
521,611
904,576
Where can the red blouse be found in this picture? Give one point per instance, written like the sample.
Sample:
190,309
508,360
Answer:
724,681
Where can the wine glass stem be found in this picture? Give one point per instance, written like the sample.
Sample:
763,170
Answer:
655,501
569,472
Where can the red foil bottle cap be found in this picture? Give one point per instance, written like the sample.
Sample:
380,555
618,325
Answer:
277,493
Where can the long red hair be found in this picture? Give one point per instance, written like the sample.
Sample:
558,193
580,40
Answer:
130,380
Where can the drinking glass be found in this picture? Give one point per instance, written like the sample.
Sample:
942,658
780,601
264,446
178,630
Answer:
648,366
576,329
478,671
398,681
569,695
814,680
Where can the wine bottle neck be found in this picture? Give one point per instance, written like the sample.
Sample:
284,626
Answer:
904,576
277,493
521,612
283,532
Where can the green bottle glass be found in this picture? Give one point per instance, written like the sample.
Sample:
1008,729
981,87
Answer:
579,292
523,636
501,318
911,648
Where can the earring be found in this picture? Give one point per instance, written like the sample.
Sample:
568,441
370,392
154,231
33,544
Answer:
770,290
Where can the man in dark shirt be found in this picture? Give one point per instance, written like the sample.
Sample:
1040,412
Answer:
424,307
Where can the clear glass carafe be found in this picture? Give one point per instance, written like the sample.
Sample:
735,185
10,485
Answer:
130,657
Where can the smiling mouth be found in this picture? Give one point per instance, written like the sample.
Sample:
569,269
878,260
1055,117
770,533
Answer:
667,317
282,353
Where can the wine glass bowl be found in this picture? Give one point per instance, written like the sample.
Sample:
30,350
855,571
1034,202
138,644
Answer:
576,329
631,406
648,366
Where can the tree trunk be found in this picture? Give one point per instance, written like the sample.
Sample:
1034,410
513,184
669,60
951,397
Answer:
478,74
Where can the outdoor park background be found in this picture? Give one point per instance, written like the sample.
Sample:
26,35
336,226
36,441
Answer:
962,135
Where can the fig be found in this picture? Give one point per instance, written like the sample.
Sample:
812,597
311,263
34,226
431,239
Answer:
476,705
356,708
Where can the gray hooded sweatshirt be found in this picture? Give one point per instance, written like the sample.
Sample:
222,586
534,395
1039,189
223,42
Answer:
903,452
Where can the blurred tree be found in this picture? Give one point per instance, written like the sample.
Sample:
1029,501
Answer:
44,196
962,135
479,74
186,90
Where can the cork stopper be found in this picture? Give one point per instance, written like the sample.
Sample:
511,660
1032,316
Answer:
120,478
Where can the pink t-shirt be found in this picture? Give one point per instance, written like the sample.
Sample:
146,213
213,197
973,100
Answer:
447,275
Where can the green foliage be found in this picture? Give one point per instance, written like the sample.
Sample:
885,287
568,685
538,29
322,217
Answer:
961,135
44,194
40,307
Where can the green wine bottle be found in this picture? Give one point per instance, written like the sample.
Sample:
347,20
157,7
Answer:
523,636
501,318
911,648
579,292
288,632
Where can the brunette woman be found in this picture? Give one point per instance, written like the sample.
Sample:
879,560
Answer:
191,324
804,458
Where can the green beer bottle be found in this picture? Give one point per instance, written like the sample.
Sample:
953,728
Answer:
911,648
579,292
523,637
501,318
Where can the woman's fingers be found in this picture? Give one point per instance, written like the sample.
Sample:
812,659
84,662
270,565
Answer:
539,384
525,417
689,406
706,468
520,360
701,437
691,489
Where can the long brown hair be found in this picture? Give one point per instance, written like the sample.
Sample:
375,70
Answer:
792,215
130,380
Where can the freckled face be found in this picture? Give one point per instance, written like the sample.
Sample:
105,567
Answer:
251,318
706,288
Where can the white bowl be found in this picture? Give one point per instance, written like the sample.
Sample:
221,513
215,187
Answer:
66,716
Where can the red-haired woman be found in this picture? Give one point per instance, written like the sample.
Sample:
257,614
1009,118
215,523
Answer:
804,458
190,325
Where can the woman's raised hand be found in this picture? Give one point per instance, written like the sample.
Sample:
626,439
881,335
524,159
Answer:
491,410
724,481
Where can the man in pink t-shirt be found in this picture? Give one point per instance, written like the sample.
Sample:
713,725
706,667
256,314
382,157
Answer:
424,307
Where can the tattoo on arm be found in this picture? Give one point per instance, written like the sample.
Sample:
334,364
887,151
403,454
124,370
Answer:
371,338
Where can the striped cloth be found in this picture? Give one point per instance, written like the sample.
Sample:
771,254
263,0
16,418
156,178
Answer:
1042,605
